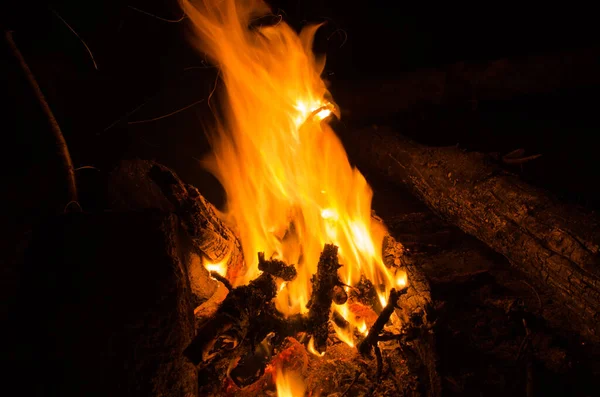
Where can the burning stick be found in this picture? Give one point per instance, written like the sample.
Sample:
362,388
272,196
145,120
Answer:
370,341
276,267
322,295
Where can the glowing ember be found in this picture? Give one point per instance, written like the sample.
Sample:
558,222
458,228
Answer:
290,188
289,384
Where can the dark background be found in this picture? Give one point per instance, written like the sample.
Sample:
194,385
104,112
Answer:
146,69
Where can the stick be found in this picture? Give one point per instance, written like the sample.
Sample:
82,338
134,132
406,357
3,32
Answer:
370,341
322,295
62,149
276,268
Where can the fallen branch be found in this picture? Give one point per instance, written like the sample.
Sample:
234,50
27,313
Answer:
62,150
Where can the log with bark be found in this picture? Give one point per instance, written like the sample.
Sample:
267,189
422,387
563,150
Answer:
141,184
467,83
556,244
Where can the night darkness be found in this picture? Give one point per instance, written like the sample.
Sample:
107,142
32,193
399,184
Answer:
113,107
147,63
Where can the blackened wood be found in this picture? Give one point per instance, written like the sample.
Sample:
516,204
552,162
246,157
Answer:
276,268
366,345
321,297
556,244
222,336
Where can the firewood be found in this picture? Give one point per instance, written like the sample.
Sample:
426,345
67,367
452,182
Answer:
416,314
557,245
221,336
140,184
370,341
321,298
276,268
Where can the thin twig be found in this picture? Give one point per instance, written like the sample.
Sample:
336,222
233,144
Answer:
520,160
59,140
166,115
127,115
370,341
79,37
157,17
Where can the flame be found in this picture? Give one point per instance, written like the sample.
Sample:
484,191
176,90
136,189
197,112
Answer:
311,348
289,383
290,187
219,267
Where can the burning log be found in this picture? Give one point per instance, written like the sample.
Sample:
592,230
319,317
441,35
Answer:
557,245
276,268
220,337
140,184
323,284
415,311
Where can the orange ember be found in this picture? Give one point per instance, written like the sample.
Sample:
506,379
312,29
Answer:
290,187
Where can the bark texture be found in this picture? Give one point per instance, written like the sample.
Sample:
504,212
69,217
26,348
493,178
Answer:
556,244
417,312
142,184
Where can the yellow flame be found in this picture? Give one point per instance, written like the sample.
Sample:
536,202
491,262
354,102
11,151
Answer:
290,187
362,328
289,383
219,267
401,279
311,348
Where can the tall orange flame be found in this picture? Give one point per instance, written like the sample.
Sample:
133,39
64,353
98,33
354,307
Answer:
290,187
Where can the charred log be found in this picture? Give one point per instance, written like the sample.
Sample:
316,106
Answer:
321,298
276,268
556,244
221,337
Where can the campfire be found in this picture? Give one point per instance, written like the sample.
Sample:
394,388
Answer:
130,282
313,268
